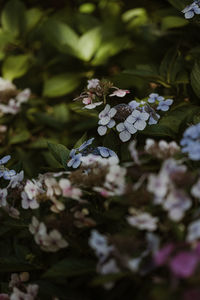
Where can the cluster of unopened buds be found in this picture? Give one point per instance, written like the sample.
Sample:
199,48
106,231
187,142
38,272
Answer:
10,98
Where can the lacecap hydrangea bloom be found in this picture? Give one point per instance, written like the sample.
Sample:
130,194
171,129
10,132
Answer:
191,142
84,150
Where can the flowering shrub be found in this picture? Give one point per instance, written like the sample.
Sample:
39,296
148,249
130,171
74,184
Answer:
100,150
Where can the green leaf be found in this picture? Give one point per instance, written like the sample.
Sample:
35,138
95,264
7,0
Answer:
20,137
80,141
70,267
173,22
16,66
170,124
13,17
61,36
60,153
89,43
60,85
179,4
195,78
32,18
12,264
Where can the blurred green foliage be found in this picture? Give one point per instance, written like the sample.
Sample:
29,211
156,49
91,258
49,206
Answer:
53,47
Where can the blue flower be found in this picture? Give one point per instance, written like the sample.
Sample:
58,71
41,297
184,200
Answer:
105,152
164,105
85,144
75,161
192,9
153,97
191,142
4,172
153,116
133,104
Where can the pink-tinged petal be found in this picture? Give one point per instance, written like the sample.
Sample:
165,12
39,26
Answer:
102,130
119,93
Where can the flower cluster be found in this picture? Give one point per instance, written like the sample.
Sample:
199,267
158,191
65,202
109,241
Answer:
11,98
191,142
76,155
190,10
173,199
49,242
132,117
96,92
161,149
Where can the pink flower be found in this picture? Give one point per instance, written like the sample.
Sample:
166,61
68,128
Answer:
163,254
184,264
119,93
87,100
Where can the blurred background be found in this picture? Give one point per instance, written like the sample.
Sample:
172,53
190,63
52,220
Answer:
54,47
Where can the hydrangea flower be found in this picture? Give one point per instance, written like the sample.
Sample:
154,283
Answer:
133,104
193,231
119,93
93,83
4,172
153,116
192,9
176,203
126,130
191,142
184,264
143,221
3,196
106,119
164,104
76,158
155,97
138,119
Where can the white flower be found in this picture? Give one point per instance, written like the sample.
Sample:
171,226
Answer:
68,190
99,244
13,107
28,202
93,83
33,188
23,96
195,191
3,196
54,241
193,231
138,119
158,184
143,221
6,85
105,119
53,187
176,203
125,129
134,152
92,105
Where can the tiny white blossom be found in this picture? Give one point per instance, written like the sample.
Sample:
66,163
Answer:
193,231
143,221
